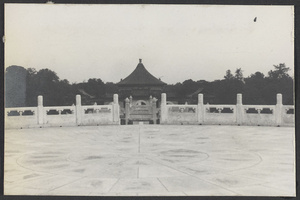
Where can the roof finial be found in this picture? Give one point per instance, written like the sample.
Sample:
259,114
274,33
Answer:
140,60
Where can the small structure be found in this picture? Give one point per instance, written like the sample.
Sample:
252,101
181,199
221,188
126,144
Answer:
141,91
140,84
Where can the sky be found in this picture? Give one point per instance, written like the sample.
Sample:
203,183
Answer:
175,42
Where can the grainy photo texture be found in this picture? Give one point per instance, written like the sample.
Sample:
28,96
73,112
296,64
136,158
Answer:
149,100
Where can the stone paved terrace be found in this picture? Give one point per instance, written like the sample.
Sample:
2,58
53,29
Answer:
150,160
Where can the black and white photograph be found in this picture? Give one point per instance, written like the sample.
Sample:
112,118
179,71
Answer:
149,100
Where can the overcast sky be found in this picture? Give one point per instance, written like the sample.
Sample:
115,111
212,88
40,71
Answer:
176,42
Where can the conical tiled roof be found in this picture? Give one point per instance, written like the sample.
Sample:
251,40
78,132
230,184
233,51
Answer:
140,76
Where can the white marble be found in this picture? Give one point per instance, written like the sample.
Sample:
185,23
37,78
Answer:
150,160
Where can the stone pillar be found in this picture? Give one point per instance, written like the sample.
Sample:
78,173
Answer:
200,109
40,110
239,110
116,109
163,109
154,110
130,101
78,110
127,102
278,110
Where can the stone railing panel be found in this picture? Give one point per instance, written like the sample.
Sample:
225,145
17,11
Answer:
97,114
59,116
23,117
288,116
263,115
219,114
182,114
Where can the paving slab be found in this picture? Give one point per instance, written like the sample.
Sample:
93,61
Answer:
150,160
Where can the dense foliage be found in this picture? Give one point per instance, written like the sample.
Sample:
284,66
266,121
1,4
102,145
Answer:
256,89
45,82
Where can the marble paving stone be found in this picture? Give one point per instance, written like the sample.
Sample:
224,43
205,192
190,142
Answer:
150,160
158,171
264,175
195,186
113,194
22,190
283,185
22,176
84,187
261,190
231,181
138,185
52,182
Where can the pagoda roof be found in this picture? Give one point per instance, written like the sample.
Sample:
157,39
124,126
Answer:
140,76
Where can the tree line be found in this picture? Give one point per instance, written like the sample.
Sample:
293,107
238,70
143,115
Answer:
256,88
57,92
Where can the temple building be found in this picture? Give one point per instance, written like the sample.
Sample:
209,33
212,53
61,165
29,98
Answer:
140,85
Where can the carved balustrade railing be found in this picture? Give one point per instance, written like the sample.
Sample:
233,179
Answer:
41,116
239,114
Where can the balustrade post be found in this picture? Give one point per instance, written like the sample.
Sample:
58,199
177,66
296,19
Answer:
154,111
278,110
200,108
127,102
163,109
130,101
239,110
116,109
40,110
78,110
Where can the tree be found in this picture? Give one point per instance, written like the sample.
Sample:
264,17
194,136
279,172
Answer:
228,75
47,76
95,87
189,86
31,84
92,91
257,75
111,87
281,71
45,82
254,89
239,74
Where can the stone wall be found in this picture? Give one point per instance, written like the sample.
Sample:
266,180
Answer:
75,115
239,114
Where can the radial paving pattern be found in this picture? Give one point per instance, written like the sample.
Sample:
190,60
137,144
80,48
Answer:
150,160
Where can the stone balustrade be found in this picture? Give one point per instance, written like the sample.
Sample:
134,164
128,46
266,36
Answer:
79,115
21,117
76,115
239,114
